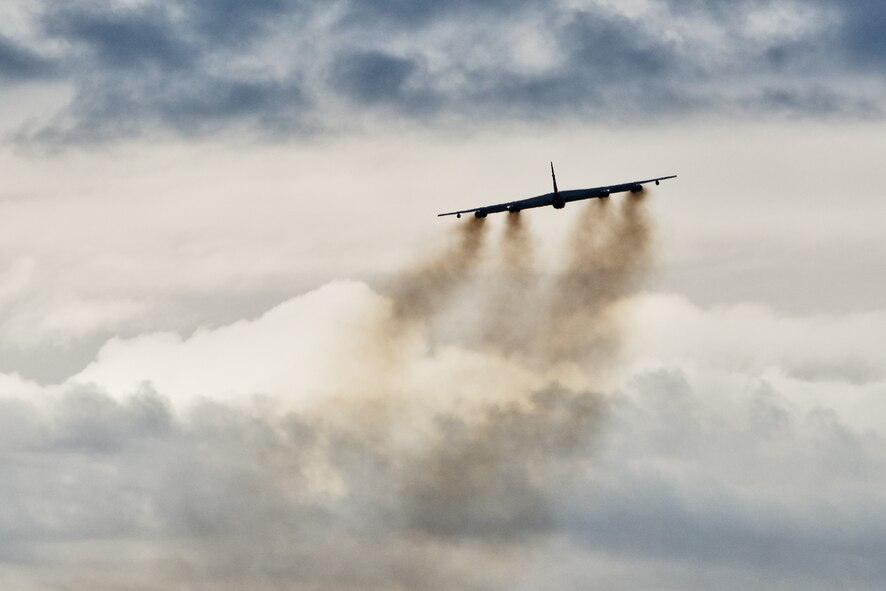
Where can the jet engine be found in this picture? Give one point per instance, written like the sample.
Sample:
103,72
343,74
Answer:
558,203
636,188
479,214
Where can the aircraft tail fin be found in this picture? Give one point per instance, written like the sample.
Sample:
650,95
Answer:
554,178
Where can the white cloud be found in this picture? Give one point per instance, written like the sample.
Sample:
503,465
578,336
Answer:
311,346
714,458
749,338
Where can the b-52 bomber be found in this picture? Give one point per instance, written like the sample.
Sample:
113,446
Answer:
558,199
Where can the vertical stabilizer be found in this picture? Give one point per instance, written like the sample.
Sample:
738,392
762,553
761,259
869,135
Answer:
554,178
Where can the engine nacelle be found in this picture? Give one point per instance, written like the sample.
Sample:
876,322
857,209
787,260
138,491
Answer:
479,214
558,203
636,188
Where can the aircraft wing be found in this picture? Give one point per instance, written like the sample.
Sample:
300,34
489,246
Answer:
513,206
485,209
621,188
559,198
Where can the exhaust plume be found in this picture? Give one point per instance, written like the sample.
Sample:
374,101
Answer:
421,291
425,465
516,247
508,324
607,254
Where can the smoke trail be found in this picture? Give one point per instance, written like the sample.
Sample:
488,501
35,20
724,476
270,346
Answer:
432,470
421,291
483,471
417,295
516,247
509,322
607,256
489,477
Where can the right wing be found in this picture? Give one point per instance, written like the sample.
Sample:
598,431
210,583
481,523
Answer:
458,213
621,188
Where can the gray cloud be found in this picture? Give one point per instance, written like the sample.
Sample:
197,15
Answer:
604,63
406,13
20,63
234,495
124,38
188,105
723,514
862,34
370,78
235,22
811,100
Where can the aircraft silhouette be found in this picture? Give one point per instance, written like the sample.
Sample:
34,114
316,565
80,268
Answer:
558,199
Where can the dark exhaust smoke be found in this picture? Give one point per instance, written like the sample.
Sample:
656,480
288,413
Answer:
438,467
424,289
508,322
606,256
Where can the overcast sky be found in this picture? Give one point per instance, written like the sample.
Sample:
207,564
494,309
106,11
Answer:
210,376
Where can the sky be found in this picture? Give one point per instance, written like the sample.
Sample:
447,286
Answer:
239,350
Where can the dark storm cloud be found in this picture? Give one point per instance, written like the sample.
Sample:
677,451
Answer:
233,21
411,13
856,34
862,33
188,103
370,78
132,38
609,67
19,63
814,100
278,65
168,67
612,48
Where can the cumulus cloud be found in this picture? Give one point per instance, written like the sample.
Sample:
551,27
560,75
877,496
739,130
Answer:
709,473
751,338
337,442
291,68
312,345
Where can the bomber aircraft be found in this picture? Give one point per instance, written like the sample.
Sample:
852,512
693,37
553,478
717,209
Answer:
558,199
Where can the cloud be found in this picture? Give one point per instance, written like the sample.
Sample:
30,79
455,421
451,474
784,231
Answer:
860,34
371,78
127,39
750,338
18,63
410,14
309,346
342,440
757,511
191,106
698,466
153,68
235,22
